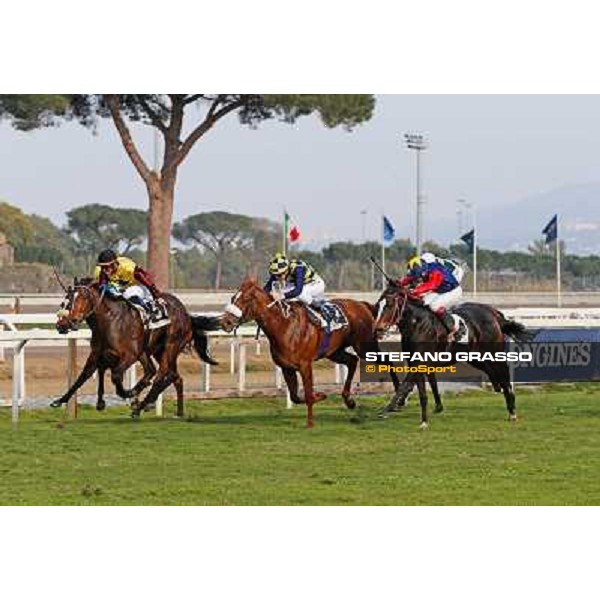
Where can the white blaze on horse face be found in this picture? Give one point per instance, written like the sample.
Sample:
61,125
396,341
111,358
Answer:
234,310
380,308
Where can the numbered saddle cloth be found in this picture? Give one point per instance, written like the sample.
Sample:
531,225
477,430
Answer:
462,330
328,315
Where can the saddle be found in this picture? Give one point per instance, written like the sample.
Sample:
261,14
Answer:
153,315
328,316
462,330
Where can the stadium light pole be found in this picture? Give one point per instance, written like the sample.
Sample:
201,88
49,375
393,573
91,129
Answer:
363,214
417,142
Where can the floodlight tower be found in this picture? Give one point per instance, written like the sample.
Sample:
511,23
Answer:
418,143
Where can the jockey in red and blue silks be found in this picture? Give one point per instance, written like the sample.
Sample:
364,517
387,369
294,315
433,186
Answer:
435,284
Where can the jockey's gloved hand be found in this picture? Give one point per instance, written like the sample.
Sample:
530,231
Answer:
277,295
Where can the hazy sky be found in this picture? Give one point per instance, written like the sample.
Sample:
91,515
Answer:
491,150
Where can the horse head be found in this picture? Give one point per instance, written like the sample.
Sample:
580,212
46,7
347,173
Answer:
390,308
81,300
242,305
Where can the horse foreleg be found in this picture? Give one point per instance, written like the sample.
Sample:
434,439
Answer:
423,400
149,372
341,357
178,383
291,380
439,406
100,403
502,378
86,373
309,395
161,383
402,390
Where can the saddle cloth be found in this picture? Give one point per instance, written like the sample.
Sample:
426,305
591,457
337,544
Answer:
462,330
147,320
146,314
338,319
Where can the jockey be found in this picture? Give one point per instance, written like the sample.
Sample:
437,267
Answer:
436,284
298,282
120,275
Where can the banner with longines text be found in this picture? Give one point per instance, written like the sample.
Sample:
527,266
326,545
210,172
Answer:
559,355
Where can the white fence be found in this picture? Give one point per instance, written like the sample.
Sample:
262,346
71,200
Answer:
18,339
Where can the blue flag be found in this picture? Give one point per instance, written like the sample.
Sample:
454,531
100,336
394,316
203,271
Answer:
388,231
551,230
469,240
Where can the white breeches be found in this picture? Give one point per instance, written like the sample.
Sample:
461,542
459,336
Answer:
315,290
140,291
436,301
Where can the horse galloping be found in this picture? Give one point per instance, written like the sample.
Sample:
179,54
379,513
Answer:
296,341
120,339
422,330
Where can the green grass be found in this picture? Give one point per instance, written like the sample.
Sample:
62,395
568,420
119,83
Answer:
257,452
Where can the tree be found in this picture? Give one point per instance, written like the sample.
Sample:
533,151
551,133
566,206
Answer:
217,232
167,114
27,112
98,226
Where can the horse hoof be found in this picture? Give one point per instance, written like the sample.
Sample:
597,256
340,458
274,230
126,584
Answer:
56,403
350,403
319,396
423,426
297,401
135,415
439,409
512,418
100,406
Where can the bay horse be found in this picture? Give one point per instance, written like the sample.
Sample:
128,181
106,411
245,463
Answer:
120,339
296,341
422,330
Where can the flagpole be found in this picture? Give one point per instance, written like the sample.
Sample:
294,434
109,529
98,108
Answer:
284,240
558,287
382,250
474,252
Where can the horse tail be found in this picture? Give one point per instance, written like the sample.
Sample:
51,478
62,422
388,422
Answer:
200,325
513,329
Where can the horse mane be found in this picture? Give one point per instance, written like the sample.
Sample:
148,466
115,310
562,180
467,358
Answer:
87,281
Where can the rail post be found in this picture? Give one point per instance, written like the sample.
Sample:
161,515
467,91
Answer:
71,375
206,378
18,366
242,368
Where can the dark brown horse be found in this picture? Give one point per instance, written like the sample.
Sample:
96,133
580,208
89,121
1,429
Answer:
422,331
296,341
120,339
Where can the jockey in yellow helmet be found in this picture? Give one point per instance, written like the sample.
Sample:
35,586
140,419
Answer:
298,281
436,282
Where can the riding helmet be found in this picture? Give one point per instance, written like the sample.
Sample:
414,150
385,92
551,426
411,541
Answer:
413,262
107,257
279,264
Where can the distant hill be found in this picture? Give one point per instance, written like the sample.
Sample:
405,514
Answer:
514,226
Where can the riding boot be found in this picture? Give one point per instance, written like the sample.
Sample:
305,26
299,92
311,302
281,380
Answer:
448,322
326,313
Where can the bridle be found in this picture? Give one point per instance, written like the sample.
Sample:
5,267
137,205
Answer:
397,311
95,304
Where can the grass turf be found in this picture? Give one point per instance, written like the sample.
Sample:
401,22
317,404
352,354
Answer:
256,452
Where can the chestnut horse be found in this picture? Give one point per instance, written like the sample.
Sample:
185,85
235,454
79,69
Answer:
120,339
422,331
296,341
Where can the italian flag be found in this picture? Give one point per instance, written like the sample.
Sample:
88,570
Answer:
291,231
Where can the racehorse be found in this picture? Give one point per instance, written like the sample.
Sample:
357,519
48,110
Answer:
296,341
422,330
120,339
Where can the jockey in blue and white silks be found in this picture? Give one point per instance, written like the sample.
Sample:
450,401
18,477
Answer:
436,282
298,281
